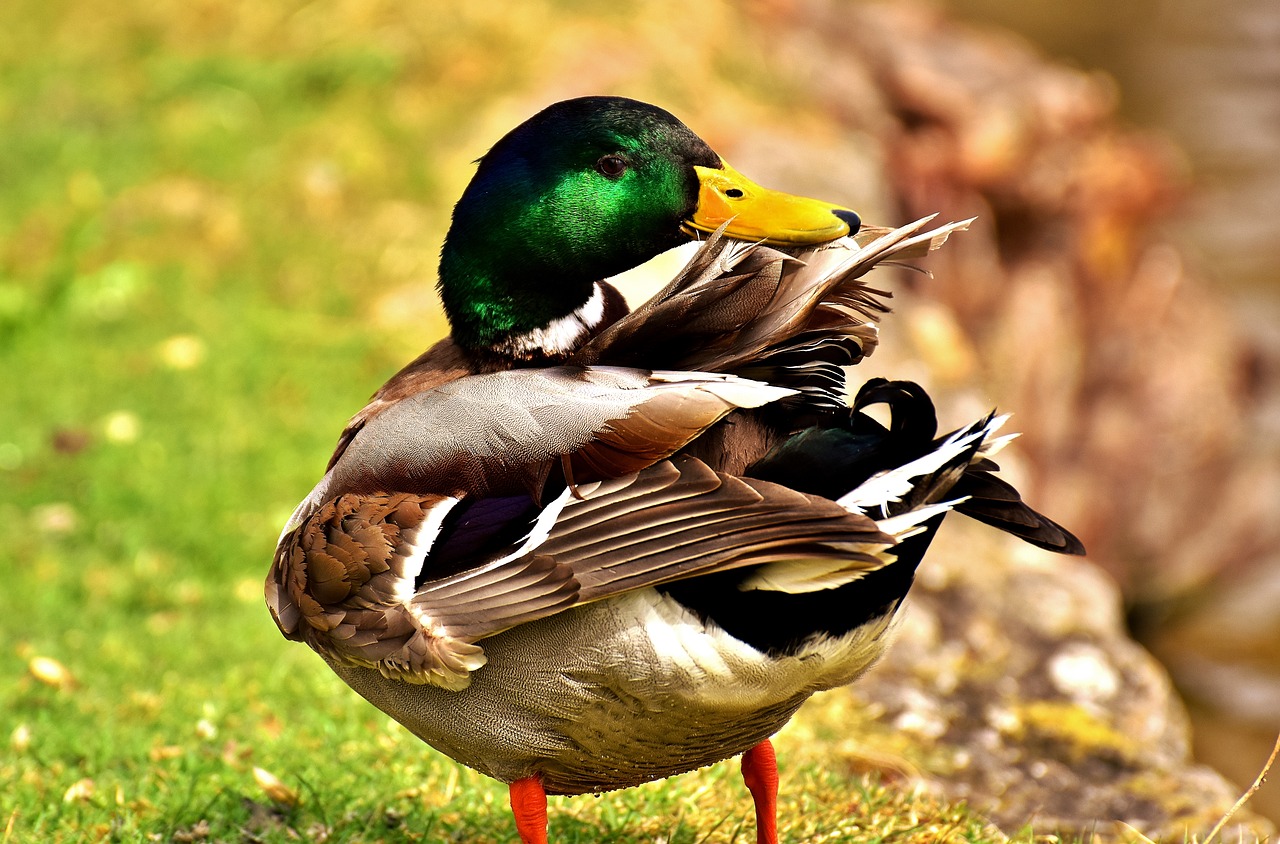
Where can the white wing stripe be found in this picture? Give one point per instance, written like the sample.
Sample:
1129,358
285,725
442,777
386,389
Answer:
892,484
419,544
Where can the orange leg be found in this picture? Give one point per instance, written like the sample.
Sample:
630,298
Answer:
529,805
760,773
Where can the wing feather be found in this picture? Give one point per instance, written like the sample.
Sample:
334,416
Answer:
343,581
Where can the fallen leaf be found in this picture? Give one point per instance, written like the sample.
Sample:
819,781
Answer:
198,832
122,427
57,518
182,352
163,752
1129,834
20,738
274,788
81,791
50,672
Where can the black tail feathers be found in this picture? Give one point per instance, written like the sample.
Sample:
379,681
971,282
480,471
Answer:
996,503
849,448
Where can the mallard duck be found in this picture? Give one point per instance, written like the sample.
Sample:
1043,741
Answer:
578,549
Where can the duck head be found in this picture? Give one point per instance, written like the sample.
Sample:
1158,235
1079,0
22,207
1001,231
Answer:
583,190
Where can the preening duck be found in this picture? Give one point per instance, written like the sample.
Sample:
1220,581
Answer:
579,548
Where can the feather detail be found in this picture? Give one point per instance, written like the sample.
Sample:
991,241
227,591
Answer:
913,522
891,485
496,433
679,519
995,502
796,577
343,582
741,304
355,581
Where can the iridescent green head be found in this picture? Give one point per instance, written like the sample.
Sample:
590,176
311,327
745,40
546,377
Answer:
583,190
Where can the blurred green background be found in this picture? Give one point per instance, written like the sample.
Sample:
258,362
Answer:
218,231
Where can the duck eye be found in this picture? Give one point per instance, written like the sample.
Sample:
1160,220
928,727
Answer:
611,166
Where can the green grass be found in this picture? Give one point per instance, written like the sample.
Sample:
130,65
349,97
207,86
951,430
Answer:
218,231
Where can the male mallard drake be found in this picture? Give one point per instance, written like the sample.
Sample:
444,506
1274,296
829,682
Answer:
579,549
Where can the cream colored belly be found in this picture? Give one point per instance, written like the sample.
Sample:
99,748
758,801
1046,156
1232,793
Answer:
614,694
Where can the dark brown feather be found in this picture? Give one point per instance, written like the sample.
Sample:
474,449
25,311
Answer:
994,502
343,582
736,304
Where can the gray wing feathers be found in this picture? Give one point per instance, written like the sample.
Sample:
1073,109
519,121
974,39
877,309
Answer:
487,433
472,607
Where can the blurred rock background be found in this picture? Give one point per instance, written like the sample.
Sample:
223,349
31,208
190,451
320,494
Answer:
209,208
1206,77
1120,290
1174,214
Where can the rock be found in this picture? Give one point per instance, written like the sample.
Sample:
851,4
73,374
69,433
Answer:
1018,690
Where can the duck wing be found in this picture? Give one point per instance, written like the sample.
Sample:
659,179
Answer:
427,533
501,433
370,579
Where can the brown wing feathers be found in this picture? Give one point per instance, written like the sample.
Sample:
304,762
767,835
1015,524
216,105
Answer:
616,542
346,582
350,549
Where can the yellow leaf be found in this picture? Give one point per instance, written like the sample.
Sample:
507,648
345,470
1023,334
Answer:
182,352
1129,835
159,753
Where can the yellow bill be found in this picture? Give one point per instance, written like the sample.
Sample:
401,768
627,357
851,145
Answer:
758,214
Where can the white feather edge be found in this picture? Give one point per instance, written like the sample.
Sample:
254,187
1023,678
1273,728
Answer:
910,523
537,535
560,335
419,543
473,659
812,575
995,445
890,485
741,392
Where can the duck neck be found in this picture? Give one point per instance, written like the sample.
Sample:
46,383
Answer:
495,314
513,294
561,336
